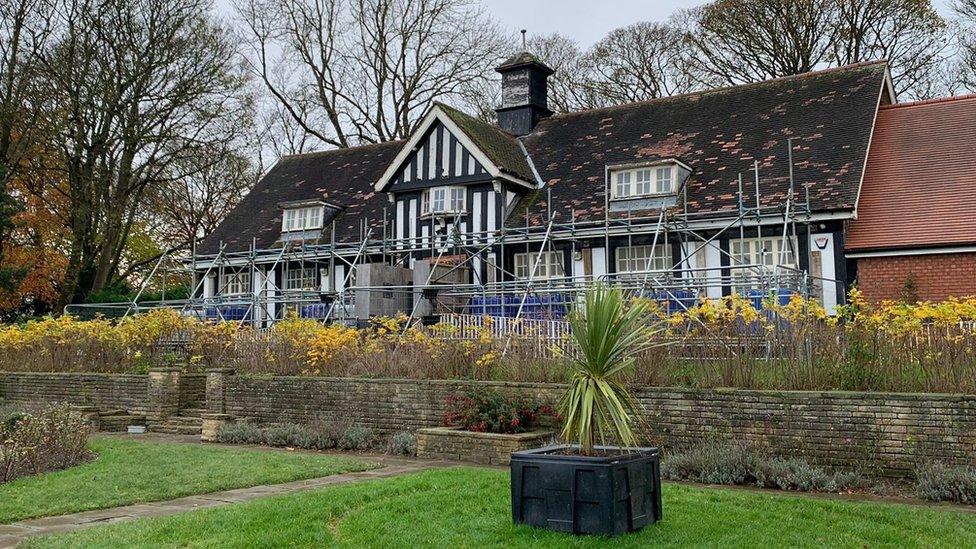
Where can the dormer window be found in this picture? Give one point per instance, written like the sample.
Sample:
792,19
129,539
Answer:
640,182
305,218
442,200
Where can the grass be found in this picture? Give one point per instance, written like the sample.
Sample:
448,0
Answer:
128,471
470,508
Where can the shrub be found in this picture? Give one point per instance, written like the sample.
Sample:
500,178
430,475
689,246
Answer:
288,434
744,464
53,439
941,482
922,347
713,462
487,411
317,436
357,437
403,443
240,433
800,475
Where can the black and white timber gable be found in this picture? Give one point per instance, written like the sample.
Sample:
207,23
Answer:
438,158
444,185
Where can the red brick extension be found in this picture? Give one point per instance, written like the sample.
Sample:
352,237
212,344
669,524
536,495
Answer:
936,277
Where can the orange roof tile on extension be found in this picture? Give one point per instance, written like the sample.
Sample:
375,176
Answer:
919,187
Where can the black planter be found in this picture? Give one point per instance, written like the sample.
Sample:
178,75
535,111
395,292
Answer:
606,495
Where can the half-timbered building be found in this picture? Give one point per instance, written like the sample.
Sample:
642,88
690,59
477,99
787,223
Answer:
747,189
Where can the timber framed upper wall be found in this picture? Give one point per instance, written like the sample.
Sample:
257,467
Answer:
719,133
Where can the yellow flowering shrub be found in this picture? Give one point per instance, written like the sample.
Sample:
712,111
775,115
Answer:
327,342
728,341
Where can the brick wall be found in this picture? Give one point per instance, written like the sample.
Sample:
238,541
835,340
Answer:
193,391
383,404
106,391
879,430
936,277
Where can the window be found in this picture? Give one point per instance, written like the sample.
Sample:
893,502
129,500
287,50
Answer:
550,266
767,252
442,200
630,183
236,283
662,178
302,219
636,259
301,279
623,184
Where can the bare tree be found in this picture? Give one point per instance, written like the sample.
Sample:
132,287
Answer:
278,134
140,85
354,71
184,209
643,61
910,34
571,86
739,41
966,11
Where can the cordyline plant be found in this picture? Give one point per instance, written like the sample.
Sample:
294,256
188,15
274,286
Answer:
607,332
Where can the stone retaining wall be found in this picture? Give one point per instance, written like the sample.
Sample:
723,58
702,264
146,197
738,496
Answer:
105,391
885,432
882,431
385,405
450,444
193,391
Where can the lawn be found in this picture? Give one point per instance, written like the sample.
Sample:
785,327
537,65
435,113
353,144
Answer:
129,471
470,508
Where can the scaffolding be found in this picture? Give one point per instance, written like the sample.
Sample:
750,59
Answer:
245,293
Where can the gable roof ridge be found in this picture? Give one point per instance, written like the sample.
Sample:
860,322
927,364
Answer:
508,161
933,101
325,152
808,74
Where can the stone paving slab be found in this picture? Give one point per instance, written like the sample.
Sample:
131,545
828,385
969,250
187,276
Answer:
13,533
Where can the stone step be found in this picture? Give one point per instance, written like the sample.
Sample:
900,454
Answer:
112,413
192,412
184,420
117,423
169,429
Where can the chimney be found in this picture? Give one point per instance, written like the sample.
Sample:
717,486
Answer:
524,93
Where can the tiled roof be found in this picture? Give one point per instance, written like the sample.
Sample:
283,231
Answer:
344,177
500,147
522,58
920,182
719,133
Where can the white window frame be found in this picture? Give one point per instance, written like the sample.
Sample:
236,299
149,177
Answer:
552,265
302,279
641,182
238,283
634,259
445,200
305,218
765,253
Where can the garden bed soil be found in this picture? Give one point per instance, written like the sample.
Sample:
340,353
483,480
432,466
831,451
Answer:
452,443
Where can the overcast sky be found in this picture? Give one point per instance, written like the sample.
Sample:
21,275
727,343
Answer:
586,21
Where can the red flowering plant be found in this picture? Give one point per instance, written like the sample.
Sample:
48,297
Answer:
494,412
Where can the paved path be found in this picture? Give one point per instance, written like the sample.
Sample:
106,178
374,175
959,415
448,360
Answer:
13,533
